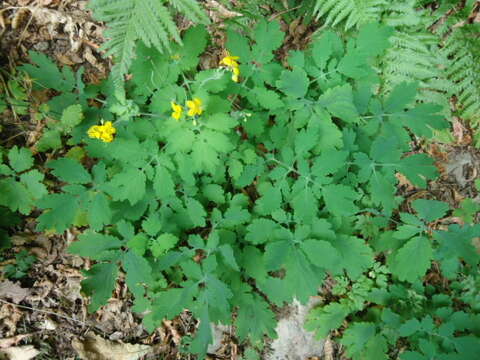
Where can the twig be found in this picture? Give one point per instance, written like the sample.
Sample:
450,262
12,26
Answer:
32,15
13,137
274,16
44,311
91,44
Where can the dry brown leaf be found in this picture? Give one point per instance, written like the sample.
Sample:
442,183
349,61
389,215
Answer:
458,130
20,18
451,220
10,315
48,324
457,196
437,153
220,11
403,181
25,352
46,2
477,18
41,290
64,59
177,339
18,240
460,133
13,291
328,349
54,21
11,341
94,347
2,23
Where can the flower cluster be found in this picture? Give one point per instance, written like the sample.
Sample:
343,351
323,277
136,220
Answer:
231,63
194,108
103,132
177,110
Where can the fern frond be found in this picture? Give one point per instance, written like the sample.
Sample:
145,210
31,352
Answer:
414,57
154,23
147,20
191,10
464,70
353,12
403,14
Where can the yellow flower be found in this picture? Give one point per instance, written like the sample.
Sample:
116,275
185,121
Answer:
177,110
108,132
230,61
236,73
195,107
103,132
94,132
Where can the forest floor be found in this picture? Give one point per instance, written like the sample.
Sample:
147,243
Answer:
44,315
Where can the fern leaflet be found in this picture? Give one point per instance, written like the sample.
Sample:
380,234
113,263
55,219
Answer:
464,52
353,12
191,10
146,20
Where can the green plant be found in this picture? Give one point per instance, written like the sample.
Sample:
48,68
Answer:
429,46
266,187
429,317
288,10
467,210
150,21
13,94
68,85
8,221
462,46
353,13
21,185
23,263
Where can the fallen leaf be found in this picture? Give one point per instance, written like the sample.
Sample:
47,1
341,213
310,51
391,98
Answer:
10,315
11,341
221,11
2,23
25,352
13,291
437,153
48,324
460,133
20,18
404,182
328,349
177,339
94,347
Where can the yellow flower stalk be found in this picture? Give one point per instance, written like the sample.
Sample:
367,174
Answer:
102,132
236,73
195,107
177,110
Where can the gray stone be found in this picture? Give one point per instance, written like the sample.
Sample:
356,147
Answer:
457,166
294,342
218,331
